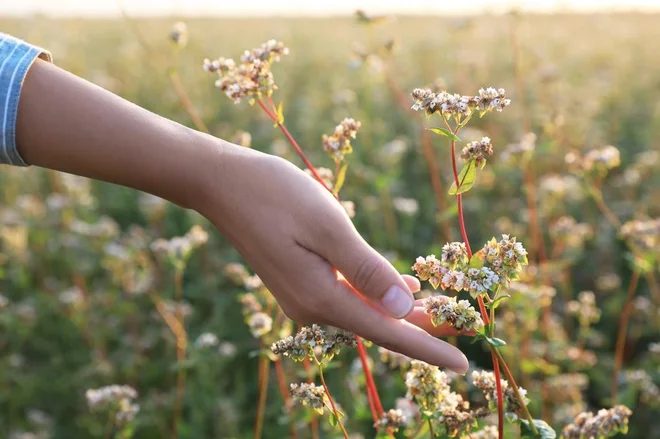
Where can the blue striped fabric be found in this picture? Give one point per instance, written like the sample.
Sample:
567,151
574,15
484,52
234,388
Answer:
16,56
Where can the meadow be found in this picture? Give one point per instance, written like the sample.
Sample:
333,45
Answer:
87,300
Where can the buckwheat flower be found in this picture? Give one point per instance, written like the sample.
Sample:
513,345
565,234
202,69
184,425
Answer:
407,206
392,420
426,385
349,207
644,235
488,432
569,232
485,381
306,341
177,248
335,340
605,423
393,359
253,282
428,269
505,257
109,396
423,100
71,297
454,254
260,324
326,175
309,394
457,422
584,308
478,150
197,236
236,272
206,340
179,34
459,314
338,144
559,187
481,280
649,392
514,151
250,304
491,99
605,158
450,279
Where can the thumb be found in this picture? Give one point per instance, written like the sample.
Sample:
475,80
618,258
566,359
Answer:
371,274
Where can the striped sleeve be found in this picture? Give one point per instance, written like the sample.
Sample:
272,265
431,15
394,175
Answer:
16,57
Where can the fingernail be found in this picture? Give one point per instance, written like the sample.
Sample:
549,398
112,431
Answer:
397,302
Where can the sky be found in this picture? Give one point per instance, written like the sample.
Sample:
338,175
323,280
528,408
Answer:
308,7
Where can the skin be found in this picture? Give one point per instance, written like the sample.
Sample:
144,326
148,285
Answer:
289,229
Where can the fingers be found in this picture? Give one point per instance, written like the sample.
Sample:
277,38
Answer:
352,312
370,274
419,318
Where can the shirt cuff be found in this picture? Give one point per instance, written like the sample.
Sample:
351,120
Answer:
16,57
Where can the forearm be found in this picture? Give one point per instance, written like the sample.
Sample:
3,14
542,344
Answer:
68,124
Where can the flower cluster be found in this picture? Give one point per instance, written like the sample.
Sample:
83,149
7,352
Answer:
392,420
206,340
260,324
180,247
458,313
485,381
584,308
478,151
644,235
459,106
502,263
338,144
393,359
570,233
605,423
117,399
649,392
488,432
179,34
310,339
427,385
251,78
519,150
310,394
597,161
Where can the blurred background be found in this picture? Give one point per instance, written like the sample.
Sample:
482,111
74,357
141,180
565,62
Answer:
85,302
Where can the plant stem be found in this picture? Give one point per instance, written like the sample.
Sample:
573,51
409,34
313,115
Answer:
310,378
377,409
431,432
180,349
500,394
516,391
332,402
185,101
621,336
459,199
295,145
597,195
263,392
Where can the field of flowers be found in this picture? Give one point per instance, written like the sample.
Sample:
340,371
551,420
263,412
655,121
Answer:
535,203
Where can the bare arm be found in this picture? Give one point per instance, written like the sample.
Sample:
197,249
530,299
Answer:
287,227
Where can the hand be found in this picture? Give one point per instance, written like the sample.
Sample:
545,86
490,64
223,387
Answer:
296,236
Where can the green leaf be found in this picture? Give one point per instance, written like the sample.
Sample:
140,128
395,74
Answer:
477,260
495,342
445,132
545,431
333,420
466,179
495,303
340,178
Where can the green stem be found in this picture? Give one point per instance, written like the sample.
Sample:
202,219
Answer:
431,432
516,391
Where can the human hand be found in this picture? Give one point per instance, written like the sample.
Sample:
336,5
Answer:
296,236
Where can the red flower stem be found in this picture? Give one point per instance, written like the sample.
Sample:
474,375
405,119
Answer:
621,335
371,385
295,145
482,307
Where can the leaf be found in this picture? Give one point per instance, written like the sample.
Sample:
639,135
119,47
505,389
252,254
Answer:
495,303
495,342
477,260
445,132
466,179
280,115
339,179
545,431
333,420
